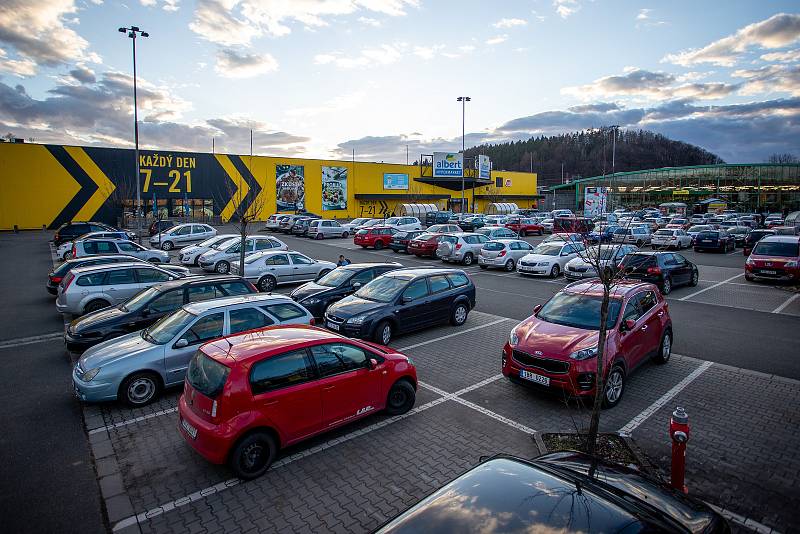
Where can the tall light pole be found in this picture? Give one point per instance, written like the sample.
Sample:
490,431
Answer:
463,100
614,152
133,32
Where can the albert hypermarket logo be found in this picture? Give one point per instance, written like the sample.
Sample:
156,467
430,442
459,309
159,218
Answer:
451,164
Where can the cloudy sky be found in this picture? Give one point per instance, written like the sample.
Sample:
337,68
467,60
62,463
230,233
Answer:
320,78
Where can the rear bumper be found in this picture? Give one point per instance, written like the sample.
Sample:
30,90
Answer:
212,442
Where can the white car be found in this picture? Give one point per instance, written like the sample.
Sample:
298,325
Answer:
272,268
671,237
563,238
353,225
549,259
182,234
405,224
547,224
189,255
636,235
218,258
604,256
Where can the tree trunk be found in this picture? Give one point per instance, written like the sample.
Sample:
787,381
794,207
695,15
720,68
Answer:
594,423
243,236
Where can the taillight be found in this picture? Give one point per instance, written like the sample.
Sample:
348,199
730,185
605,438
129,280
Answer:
654,270
458,246
502,253
56,279
311,322
74,250
70,277
252,287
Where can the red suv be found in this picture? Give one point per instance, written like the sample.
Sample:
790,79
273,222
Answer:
775,257
377,237
248,395
424,245
556,347
524,226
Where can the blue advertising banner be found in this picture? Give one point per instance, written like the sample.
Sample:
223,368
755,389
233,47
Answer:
395,181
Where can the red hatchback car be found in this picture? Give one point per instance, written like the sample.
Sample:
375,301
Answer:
523,226
248,395
424,245
377,237
774,257
556,347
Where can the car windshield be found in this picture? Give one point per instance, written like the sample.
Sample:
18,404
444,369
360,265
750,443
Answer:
225,243
136,302
737,230
548,249
708,234
622,231
383,289
336,277
678,221
211,242
699,228
578,311
606,253
777,248
168,327
392,220
252,258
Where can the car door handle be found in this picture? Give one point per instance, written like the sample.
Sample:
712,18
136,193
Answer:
328,388
270,403
295,268
661,313
644,327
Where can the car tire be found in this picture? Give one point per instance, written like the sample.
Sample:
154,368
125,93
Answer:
378,244
383,333
509,266
555,271
640,243
222,267
540,233
522,233
614,387
267,283
664,348
666,286
749,278
468,259
459,314
345,235
436,254
401,398
695,278
484,267
67,255
167,245
253,455
94,305
154,260
363,246
318,236
140,389
395,251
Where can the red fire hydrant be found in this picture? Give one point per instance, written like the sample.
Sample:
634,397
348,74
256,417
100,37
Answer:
679,432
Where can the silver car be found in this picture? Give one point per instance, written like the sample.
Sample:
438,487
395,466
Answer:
461,247
219,258
182,234
88,289
503,253
606,256
635,235
322,228
136,367
671,237
189,255
549,259
497,232
272,268
355,224
89,247
64,250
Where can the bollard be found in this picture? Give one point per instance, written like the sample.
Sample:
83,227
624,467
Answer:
679,433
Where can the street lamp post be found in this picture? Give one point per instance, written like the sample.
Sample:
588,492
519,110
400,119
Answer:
133,32
463,100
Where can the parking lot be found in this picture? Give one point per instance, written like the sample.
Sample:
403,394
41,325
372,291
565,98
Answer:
734,370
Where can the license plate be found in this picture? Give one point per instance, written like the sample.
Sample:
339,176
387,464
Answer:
768,272
333,326
706,241
533,377
192,431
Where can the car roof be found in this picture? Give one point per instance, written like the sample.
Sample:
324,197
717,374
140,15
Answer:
595,289
413,272
256,343
366,265
201,279
780,239
121,265
104,257
197,308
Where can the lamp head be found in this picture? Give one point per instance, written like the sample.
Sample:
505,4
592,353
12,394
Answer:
123,30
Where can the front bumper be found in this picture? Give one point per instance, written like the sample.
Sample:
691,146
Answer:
80,344
577,382
96,390
361,331
577,275
208,266
534,269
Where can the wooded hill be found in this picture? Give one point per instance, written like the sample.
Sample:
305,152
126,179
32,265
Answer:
588,153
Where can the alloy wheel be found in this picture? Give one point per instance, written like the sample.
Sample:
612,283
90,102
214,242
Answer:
141,390
614,386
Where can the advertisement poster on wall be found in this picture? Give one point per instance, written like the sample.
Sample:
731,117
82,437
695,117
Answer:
395,181
594,202
448,164
290,191
334,188
484,168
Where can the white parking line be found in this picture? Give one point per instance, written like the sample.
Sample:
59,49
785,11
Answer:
745,522
523,295
434,340
21,341
134,420
786,303
664,399
690,295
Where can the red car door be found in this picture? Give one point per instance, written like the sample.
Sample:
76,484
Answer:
631,342
348,386
652,315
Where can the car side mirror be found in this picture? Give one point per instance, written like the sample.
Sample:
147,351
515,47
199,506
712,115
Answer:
145,312
181,343
406,299
373,363
356,285
628,324
537,308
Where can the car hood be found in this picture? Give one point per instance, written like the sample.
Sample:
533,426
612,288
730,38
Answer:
538,257
353,305
193,249
554,340
580,262
113,350
212,254
97,319
308,289
774,260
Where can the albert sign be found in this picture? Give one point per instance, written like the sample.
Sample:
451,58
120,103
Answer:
448,164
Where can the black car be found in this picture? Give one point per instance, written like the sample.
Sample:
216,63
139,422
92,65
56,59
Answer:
402,301
158,227
554,493
148,306
343,281
399,242
71,230
470,224
753,237
438,217
58,274
664,269
717,240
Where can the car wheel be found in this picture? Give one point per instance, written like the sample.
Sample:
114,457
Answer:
665,349
401,398
509,266
167,245
222,267
140,389
383,332
345,235
436,254
267,283
639,243
666,286
67,255
459,315
378,244
522,233
749,277
95,305
484,267
555,271
695,278
318,236
253,455
614,387
395,250
154,260
467,259
540,233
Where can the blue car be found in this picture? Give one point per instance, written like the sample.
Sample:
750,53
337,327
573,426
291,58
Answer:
601,236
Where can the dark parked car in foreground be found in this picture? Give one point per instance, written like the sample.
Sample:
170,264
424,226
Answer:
343,281
554,493
148,306
399,242
716,240
403,301
664,269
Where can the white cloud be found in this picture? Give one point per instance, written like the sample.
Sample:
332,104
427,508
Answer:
775,32
644,14
649,85
497,40
644,18
770,79
168,5
368,21
427,52
21,68
509,23
566,8
231,63
466,48
367,57
790,56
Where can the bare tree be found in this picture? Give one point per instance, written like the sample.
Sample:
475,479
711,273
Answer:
120,196
243,216
782,158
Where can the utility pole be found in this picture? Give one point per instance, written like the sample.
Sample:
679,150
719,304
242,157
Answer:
562,172
406,154
463,100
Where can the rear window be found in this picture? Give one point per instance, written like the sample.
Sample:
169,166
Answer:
774,248
665,232
284,311
494,245
636,261
708,235
206,375
458,279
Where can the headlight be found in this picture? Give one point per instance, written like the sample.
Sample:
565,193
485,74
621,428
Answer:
584,354
90,374
357,320
513,337
791,264
750,261
311,301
